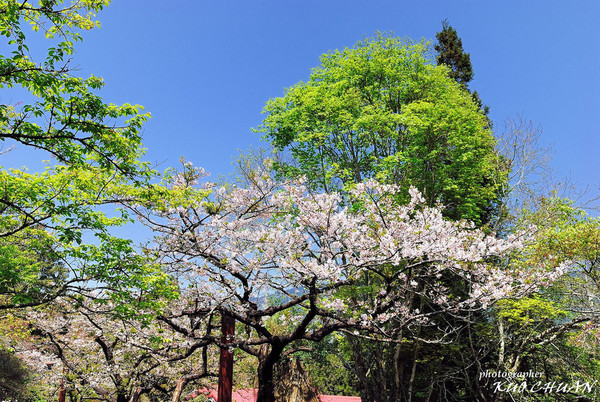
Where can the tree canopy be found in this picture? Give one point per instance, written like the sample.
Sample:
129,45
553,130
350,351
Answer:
54,224
383,110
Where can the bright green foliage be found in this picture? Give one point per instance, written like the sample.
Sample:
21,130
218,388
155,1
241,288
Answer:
565,233
523,312
555,331
53,234
66,118
31,269
383,110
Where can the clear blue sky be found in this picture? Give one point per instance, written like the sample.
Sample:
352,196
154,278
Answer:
204,69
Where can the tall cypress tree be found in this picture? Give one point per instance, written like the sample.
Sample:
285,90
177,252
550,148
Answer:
450,52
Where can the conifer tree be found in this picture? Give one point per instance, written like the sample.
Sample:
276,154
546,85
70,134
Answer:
450,53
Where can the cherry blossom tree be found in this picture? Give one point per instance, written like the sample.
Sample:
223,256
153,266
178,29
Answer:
83,345
277,253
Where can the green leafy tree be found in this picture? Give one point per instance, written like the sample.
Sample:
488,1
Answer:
54,235
553,332
31,268
383,110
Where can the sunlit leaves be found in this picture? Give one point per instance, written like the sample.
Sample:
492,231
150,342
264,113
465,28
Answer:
382,110
94,151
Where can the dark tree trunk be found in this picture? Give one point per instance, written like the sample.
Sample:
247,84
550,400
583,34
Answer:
266,363
381,373
398,371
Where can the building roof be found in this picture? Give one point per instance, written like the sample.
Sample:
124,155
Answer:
339,398
249,395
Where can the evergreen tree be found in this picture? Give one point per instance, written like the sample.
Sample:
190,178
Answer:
450,53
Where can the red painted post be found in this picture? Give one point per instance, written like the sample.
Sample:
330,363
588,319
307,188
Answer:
226,361
62,393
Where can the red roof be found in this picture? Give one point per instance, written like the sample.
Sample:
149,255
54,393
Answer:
241,395
249,395
244,395
339,398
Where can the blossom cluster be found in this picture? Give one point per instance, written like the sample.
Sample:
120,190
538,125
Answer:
271,242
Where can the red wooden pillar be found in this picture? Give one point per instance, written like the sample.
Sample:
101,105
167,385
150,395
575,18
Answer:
62,393
226,361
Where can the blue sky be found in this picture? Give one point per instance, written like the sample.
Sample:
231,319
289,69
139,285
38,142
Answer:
205,69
